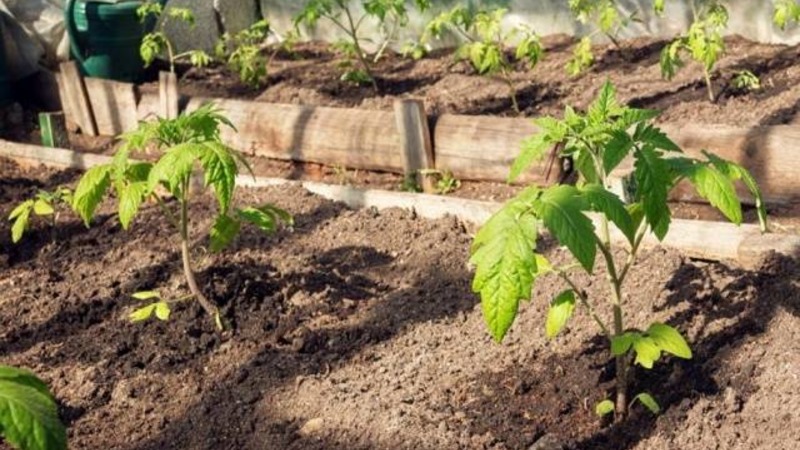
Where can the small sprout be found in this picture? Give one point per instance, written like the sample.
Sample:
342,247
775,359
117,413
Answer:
649,402
44,204
746,80
157,43
604,408
243,52
787,12
446,182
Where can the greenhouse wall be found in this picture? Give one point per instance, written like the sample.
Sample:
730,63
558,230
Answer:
749,18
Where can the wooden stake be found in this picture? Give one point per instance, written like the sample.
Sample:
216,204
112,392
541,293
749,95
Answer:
74,91
415,141
113,104
168,94
54,130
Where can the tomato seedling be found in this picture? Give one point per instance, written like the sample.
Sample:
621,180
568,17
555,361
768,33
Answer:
389,15
44,204
504,250
28,412
486,42
703,42
190,140
787,12
243,52
157,43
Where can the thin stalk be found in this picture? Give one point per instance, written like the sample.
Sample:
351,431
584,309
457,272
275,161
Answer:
359,52
512,90
188,273
709,86
585,302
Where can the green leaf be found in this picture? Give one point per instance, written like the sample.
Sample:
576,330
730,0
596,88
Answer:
605,106
505,262
561,209
220,169
652,135
89,193
146,295
223,232
604,408
649,402
533,149
668,339
606,202
652,180
616,150
43,208
21,216
130,199
20,209
717,188
265,217
174,168
142,314
28,413
647,352
622,344
162,311
736,172
561,309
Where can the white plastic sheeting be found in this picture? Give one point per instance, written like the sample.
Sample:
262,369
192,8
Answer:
33,33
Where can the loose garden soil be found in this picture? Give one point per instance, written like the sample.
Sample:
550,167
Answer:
358,329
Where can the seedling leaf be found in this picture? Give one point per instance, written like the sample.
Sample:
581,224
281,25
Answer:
220,169
43,208
561,309
20,224
162,311
669,340
647,351
604,408
146,295
561,209
622,344
649,402
90,191
533,149
606,202
143,314
653,180
223,232
130,199
28,412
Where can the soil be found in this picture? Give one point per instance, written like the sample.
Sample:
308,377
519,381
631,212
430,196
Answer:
358,329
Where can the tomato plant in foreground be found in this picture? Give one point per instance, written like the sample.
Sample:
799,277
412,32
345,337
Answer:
28,413
189,141
504,250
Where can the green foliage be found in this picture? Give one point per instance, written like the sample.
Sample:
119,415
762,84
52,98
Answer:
243,52
747,81
579,217
159,308
787,12
189,142
649,402
157,43
604,408
703,42
44,204
486,42
445,181
28,413
389,15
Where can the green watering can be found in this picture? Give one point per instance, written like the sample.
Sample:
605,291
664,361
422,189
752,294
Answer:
105,36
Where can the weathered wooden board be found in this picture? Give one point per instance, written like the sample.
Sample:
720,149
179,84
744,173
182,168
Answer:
113,105
415,141
354,138
75,98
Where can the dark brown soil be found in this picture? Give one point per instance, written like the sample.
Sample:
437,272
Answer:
311,75
358,329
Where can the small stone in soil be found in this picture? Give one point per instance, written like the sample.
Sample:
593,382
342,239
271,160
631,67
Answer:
546,442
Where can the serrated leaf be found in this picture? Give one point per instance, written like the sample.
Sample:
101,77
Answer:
717,188
130,199
736,172
162,311
220,169
604,408
605,106
649,402
561,209
622,344
668,339
265,217
652,135
561,309
505,262
533,149
223,232
174,168
90,191
616,150
43,208
652,179
647,352
142,314
28,412
146,295
20,225
606,202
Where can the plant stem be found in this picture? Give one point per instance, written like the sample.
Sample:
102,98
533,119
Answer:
586,304
707,75
207,305
353,32
512,90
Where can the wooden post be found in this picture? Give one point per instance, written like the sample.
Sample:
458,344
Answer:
54,130
113,104
415,141
76,97
168,95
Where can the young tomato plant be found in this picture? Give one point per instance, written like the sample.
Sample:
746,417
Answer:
243,52
157,43
44,204
486,42
188,141
787,12
28,413
703,42
579,217
390,15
